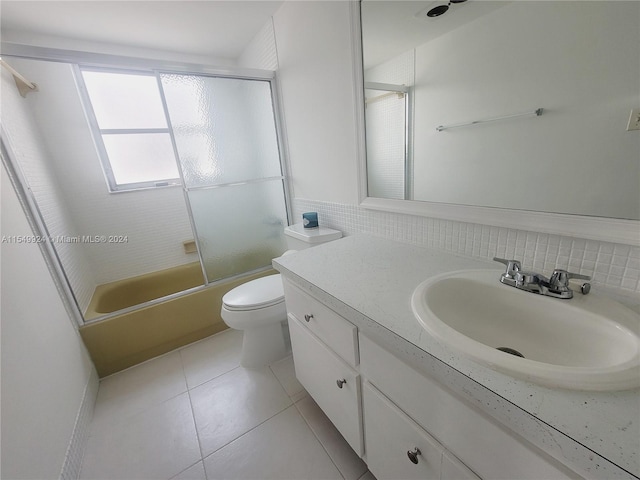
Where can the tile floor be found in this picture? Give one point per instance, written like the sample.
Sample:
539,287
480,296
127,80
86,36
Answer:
194,413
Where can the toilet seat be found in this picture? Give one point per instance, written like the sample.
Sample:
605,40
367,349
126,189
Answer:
257,307
254,295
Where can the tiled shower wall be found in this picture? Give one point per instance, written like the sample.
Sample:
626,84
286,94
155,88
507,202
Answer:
24,140
615,267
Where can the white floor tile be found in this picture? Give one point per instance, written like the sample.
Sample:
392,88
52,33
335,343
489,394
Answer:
232,404
138,388
286,375
350,465
281,448
155,444
195,472
211,357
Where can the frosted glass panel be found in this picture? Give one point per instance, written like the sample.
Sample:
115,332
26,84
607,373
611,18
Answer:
141,157
239,228
223,127
122,100
386,145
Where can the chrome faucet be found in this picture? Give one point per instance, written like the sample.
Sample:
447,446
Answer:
556,286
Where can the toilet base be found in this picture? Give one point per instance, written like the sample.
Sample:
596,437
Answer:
262,346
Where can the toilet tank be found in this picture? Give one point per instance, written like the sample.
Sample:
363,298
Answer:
299,238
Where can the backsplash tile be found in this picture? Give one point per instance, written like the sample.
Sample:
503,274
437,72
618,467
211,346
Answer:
616,267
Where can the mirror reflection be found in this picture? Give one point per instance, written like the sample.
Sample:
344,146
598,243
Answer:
533,99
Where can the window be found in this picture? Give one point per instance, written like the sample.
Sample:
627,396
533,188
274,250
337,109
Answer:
130,127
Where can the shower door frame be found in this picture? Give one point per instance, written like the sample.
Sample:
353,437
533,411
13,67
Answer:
99,60
268,76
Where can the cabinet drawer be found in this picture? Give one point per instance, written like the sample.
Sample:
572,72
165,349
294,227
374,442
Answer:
326,324
454,469
333,384
474,437
389,437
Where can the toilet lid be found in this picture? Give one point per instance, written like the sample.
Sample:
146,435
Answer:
259,293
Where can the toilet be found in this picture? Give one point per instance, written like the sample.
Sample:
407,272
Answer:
257,307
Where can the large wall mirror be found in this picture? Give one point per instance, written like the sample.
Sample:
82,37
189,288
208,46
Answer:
518,111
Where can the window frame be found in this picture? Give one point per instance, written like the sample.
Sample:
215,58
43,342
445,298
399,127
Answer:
97,133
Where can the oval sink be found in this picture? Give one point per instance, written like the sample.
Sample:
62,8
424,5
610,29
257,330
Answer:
589,342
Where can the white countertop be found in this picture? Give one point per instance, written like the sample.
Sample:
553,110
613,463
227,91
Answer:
370,280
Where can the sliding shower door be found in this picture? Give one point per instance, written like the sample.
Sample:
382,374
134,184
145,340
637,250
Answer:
387,119
225,136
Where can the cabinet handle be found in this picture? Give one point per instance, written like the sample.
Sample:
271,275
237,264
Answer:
308,317
413,455
340,383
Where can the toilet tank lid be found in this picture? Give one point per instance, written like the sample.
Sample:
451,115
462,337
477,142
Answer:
261,292
312,235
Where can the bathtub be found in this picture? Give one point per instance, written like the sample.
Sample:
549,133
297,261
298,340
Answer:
138,334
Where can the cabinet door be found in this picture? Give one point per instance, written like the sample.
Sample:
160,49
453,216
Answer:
396,446
330,381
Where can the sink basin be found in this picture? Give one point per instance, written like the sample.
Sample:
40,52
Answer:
587,343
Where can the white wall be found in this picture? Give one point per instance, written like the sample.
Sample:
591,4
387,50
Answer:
577,60
44,365
316,77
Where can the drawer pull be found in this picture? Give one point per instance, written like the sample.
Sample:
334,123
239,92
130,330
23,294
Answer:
340,383
308,317
413,455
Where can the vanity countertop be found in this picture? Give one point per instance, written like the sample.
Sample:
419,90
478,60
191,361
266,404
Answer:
370,280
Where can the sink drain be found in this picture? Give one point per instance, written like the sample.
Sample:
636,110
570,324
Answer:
510,351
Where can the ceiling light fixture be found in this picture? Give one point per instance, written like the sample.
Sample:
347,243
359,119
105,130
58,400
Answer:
441,9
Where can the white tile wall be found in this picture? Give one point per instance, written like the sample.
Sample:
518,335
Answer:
615,267
261,51
155,223
399,70
24,139
75,451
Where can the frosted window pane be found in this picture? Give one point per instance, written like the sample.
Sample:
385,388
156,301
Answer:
240,227
122,100
223,127
141,157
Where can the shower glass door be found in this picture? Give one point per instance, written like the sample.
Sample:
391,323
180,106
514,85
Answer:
225,137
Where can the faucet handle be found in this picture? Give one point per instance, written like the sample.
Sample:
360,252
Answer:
560,278
513,266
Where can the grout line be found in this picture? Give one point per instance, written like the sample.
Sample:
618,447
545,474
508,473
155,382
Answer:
193,415
190,466
248,431
318,438
212,378
195,426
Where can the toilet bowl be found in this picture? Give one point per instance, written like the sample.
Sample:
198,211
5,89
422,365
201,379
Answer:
257,307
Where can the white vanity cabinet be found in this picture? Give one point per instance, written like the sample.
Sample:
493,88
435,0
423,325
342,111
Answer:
402,422
321,343
468,435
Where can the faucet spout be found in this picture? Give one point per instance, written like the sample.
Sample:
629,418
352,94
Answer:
556,286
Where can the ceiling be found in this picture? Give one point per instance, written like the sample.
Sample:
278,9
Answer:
210,28
392,27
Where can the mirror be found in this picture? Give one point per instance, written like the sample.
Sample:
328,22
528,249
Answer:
533,100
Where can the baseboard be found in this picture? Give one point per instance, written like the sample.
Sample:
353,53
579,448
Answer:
75,450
